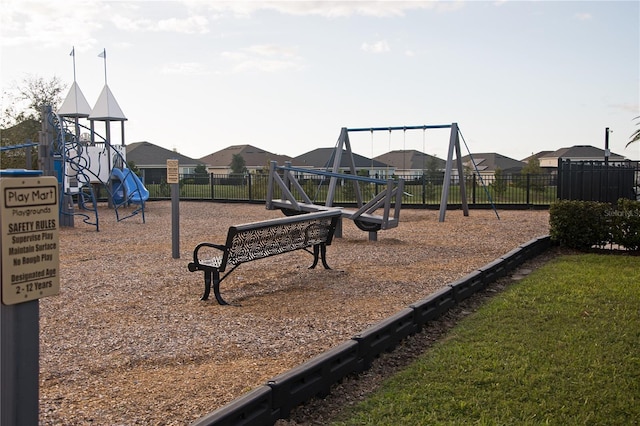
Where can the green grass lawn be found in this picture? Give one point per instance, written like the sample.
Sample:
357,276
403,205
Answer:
560,347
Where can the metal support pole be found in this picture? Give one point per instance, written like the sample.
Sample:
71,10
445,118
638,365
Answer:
463,191
336,166
27,156
453,138
175,220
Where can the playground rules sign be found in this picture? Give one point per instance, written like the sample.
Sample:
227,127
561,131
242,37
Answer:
29,223
173,175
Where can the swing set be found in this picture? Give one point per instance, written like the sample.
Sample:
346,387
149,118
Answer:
294,199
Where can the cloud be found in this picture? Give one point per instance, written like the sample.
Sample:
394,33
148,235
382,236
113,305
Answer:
184,68
264,58
631,108
55,24
271,50
49,24
583,16
190,25
269,65
327,9
378,47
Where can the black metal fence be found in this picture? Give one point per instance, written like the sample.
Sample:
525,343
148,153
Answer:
598,180
514,190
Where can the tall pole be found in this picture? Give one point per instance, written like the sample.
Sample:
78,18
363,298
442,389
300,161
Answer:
73,55
75,93
103,55
606,163
606,146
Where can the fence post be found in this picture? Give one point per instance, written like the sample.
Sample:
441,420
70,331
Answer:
473,191
211,180
528,188
564,181
250,187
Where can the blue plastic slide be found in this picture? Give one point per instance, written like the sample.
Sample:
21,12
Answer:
127,187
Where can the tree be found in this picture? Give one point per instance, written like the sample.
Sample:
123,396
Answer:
499,183
534,170
26,99
238,165
201,174
20,120
432,170
635,136
532,167
133,167
18,135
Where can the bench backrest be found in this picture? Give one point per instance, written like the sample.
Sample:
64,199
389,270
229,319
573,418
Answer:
263,239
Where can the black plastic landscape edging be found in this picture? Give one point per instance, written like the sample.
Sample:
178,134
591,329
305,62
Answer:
266,404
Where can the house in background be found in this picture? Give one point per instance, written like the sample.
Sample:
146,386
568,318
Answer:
412,163
19,135
537,156
487,163
151,161
322,159
256,159
576,153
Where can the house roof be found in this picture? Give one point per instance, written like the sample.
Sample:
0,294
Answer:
490,161
537,155
16,134
582,152
410,160
322,158
253,156
146,154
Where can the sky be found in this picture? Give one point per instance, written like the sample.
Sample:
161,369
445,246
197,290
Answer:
197,76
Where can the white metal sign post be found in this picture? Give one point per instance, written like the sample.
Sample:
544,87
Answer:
30,270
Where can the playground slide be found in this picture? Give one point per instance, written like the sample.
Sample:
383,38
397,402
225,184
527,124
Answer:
127,187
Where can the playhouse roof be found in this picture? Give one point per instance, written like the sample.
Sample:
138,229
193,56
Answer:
107,108
75,104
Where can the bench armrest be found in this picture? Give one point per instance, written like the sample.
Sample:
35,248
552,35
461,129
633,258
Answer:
194,266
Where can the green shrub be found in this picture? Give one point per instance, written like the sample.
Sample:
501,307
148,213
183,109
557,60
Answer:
585,224
625,224
579,224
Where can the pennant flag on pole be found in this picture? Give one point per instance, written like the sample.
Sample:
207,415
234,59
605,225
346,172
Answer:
103,54
73,51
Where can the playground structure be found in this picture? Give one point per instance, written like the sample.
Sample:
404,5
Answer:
84,165
365,217
84,161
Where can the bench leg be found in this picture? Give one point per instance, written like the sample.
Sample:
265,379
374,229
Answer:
319,251
216,288
207,285
214,276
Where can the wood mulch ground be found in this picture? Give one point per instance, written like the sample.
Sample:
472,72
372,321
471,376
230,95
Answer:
129,342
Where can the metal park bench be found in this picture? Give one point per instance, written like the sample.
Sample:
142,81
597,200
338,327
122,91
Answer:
259,240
